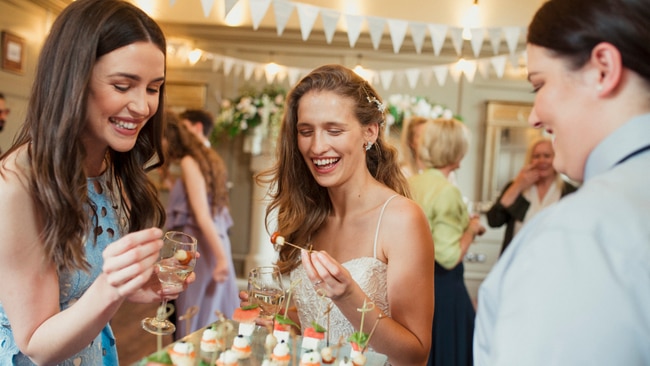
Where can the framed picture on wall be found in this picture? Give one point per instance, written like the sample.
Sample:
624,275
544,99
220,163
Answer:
185,95
13,53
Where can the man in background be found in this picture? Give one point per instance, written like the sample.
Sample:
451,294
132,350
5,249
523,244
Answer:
4,112
200,122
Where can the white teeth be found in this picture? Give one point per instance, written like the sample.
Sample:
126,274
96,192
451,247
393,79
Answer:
325,161
124,125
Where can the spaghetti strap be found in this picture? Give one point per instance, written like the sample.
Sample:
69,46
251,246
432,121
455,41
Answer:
381,214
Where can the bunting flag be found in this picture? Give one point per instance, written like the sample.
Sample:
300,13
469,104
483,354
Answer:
456,35
282,11
376,27
478,35
495,39
512,38
258,9
418,33
353,23
232,66
307,15
397,29
330,21
207,7
227,6
438,36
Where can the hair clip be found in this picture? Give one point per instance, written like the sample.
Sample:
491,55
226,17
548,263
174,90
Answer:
380,106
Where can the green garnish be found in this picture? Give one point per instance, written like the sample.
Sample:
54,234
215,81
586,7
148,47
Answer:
284,320
161,357
359,338
250,307
317,327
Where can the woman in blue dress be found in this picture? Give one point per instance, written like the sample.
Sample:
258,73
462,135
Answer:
79,216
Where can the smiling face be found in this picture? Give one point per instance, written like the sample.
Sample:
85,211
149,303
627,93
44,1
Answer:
330,137
563,105
124,91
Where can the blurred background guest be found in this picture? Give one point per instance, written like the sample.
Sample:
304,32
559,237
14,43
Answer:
199,205
443,144
410,136
199,122
537,186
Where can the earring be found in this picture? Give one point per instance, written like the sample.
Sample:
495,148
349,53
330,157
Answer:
368,145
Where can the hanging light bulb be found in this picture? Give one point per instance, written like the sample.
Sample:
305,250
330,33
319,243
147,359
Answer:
470,20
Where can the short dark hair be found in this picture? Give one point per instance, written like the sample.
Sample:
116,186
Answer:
571,29
2,96
199,116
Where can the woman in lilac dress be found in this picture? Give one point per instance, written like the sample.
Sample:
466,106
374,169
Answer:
198,205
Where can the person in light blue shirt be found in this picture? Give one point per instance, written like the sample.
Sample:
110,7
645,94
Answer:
574,286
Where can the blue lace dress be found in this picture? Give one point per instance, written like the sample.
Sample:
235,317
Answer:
110,226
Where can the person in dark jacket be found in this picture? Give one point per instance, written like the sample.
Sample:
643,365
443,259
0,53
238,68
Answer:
537,186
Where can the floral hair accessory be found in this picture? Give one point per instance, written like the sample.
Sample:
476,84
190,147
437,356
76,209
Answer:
380,106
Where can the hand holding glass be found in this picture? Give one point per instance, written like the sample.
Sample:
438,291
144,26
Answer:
175,264
265,289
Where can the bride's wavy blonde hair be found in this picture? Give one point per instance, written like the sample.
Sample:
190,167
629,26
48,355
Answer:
301,204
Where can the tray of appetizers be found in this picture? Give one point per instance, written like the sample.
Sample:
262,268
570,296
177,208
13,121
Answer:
232,343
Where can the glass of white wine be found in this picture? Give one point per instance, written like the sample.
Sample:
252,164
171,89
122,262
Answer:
265,289
175,264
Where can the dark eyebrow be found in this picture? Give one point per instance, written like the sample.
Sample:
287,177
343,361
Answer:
138,78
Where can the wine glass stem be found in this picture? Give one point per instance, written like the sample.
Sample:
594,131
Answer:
162,311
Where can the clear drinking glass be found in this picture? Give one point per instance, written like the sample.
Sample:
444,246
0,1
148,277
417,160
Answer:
175,264
265,289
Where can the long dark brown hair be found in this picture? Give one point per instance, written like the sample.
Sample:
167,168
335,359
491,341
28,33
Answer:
302,205
56,117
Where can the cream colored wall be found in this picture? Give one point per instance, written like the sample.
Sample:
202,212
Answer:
27,21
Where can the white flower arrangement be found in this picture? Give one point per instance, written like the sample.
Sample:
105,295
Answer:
248,111
403,106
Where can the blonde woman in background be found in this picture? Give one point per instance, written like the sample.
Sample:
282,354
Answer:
410,135
442,146
537,186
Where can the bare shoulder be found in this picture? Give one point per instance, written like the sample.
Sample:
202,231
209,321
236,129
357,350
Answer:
404,228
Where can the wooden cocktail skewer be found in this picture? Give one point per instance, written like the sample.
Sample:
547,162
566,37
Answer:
277,239
191,312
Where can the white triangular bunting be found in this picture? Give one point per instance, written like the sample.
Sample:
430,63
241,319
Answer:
281,76
499,65
307,15
228,62
353,23
441,74
484,68
293,74
207,7
512,37
249,68
438,36
376,27
172,2
478,35
282,11
269,75
418,32
495,39
412,76
228,5
386,78
470,70
456,35
258,10
397,29
330,20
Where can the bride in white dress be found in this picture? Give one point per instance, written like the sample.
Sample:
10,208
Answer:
337,188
